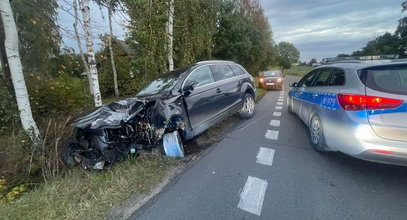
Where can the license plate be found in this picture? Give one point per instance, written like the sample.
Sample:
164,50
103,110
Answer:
270,84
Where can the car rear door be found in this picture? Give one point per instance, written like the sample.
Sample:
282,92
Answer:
228,86
386,91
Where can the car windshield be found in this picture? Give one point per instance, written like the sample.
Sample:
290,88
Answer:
271,73
164,83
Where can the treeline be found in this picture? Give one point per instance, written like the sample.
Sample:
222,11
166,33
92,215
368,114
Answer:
234,30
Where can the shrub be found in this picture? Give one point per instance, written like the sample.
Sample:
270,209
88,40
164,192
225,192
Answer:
56,96
8,109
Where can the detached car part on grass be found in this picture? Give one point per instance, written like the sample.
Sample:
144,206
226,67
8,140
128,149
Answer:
113,131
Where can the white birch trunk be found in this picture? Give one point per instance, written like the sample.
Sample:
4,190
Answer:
116,87
78,40
91,54
170,31
13,57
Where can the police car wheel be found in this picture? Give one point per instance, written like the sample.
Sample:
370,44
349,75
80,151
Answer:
289,104
317,135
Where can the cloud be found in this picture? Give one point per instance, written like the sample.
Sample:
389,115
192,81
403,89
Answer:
324,28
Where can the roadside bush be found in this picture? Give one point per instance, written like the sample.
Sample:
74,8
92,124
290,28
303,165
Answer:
57,96
132,87
8,109
24,165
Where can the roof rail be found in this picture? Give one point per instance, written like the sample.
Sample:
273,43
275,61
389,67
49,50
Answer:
215,61
357,59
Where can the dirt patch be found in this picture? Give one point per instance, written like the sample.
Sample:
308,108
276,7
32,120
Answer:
211,136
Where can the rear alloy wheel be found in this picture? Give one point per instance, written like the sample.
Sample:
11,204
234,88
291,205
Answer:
247,110
172,144
317,135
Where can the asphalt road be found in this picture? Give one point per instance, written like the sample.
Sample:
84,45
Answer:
266,169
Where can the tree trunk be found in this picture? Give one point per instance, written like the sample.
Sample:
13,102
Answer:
170,31
78,40
13,57
91,54
6,74
116,87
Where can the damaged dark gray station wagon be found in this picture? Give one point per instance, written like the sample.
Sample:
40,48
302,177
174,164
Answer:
176,106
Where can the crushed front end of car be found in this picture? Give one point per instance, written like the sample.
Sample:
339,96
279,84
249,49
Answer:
113,131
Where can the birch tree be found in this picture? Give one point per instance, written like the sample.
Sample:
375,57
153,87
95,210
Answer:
78,41
14,62
91,54
110,14
170,31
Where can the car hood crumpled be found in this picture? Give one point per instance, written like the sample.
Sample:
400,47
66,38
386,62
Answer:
110,115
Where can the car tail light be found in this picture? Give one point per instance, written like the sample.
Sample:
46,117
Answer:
352,102
377,151
261,80
279,79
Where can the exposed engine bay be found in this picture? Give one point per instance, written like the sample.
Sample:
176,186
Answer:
113,131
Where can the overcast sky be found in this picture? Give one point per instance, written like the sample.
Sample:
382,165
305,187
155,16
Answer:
325,28
318,28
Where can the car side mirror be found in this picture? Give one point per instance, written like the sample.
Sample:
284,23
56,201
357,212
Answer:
293,84
189,87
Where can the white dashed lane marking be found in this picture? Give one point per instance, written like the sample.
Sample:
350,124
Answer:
277,114
252,196
279,107
265,156
272,135
275,123
280,103
281,100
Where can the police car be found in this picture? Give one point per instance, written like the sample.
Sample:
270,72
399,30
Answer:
355,107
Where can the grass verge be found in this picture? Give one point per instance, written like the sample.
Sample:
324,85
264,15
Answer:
260,94
81,194
299,70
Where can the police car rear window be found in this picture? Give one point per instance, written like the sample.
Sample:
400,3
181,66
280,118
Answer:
390,79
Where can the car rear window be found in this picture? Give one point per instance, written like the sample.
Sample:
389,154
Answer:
237,70
390,79
221,72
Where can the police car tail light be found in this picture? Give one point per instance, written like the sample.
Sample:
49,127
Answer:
352,102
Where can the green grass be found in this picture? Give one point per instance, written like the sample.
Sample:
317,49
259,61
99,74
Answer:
260,92
82,194
299,70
